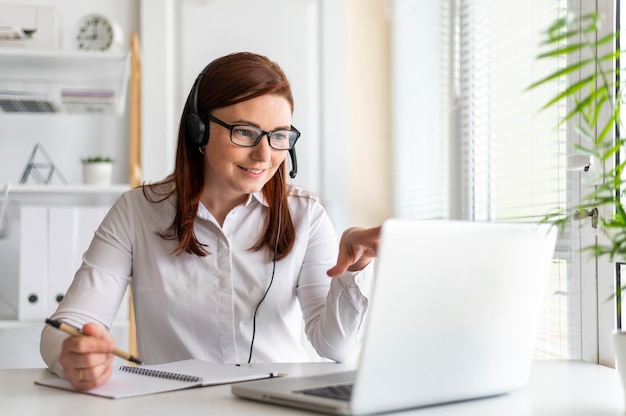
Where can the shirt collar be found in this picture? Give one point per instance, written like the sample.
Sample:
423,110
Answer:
259,197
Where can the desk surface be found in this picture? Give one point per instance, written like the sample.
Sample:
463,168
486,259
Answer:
556,388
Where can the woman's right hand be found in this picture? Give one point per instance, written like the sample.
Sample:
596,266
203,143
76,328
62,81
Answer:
88,361
357,248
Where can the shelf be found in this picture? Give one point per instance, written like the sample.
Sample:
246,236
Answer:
49,81
58,58
57,194
68,190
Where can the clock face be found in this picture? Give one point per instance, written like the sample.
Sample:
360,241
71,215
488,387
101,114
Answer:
97,33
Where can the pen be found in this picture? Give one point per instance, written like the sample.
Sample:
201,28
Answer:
75,332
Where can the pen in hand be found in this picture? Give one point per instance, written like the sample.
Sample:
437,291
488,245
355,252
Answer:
75,332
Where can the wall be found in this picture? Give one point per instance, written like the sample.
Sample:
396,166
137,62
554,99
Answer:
370,190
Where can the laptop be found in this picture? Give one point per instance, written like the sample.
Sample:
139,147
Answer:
453,316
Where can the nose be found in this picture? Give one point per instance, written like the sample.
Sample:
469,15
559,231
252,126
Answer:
262,151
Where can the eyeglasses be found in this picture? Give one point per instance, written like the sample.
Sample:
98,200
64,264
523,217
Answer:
246,135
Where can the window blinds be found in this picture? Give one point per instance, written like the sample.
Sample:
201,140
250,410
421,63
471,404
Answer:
470,141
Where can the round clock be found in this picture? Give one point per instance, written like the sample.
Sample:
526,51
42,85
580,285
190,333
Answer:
98,33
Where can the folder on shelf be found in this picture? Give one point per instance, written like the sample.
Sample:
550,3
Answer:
62,253
33,263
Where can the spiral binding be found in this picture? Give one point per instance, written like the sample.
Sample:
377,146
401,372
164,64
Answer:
160,374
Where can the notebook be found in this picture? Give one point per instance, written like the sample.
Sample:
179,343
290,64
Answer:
453,316
129,381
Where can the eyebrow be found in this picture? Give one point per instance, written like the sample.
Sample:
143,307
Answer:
253,124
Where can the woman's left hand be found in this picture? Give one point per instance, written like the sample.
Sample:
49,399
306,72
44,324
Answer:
357,248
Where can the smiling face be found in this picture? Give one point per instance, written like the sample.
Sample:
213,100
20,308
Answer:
232,172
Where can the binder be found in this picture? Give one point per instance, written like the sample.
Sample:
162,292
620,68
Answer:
10,261
62,261
33,263
53,240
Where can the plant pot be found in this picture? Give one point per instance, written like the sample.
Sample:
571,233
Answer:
98,173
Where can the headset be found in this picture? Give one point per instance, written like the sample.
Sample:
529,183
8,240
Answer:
197,125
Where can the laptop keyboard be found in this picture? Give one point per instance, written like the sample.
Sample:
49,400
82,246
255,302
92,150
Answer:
339,391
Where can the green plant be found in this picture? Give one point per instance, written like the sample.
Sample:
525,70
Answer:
594,109
97,159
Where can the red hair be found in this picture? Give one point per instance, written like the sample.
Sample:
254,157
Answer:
227,80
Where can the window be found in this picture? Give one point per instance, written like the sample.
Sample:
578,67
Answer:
470,141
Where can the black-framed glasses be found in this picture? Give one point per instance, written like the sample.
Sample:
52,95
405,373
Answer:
246,135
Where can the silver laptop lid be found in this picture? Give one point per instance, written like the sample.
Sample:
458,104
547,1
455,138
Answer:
454,313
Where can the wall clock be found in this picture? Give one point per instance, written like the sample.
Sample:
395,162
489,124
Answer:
95,32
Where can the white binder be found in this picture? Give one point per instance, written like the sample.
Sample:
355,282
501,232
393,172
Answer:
33,263
62,253
53,240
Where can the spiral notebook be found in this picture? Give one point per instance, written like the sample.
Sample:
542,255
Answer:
150,379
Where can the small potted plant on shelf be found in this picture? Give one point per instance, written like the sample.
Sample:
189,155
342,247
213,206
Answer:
594,109
97,170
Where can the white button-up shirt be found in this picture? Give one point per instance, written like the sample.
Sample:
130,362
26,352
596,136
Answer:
187,306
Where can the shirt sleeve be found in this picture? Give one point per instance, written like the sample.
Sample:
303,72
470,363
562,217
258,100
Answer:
334,314
99,285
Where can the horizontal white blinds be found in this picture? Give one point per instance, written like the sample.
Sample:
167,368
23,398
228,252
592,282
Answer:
513,154
470,141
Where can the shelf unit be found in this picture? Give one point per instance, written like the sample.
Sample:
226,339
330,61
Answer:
35,81
50,81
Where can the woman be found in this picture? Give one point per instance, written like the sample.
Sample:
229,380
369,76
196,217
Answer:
224,258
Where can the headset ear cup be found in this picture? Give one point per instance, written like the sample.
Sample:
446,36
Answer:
196,124
196,130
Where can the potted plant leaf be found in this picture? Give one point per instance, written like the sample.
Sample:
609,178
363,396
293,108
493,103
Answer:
97,170
593,102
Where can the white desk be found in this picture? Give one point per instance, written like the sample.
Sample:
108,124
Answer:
570,388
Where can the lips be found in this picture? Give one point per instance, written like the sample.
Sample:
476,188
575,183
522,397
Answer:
253,171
